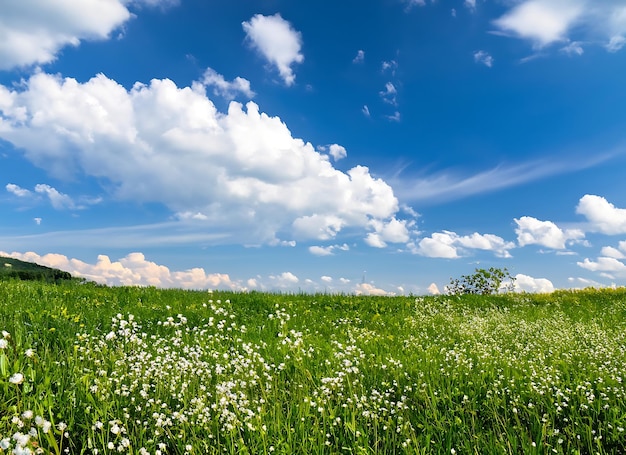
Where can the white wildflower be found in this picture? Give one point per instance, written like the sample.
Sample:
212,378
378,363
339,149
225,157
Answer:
17,378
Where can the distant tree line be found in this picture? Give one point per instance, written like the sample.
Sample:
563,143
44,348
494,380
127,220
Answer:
13,269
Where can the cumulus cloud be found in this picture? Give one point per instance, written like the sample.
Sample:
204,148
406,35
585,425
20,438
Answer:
450,245
58,200
525,283
225,89
607,266
284,280
337,151
393,231
17,190
603,216
327,250
545,22
360,56
241,170
531,231
433,289
131,270
366,111
370,289
484,58
277,41
609,251
34,31
542,21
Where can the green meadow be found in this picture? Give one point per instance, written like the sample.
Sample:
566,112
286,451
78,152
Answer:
88,369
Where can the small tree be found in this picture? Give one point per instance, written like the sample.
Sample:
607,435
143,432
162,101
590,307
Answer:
483,282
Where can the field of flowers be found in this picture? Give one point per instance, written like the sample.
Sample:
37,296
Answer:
97,370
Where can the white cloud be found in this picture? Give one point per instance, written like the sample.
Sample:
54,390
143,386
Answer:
337,151
369,289
17,190
321,250
609,251
390,65
542,21
277,41
579,283
327,250
284,280
545,22
37,221
366,111
192,216
525,283
450,245
450,185
433,289
484,58
603,216
242,169
573,48
615,43
608,266
438,245
225,89
393,231
154,3
486,242
360,56
58,200
131,270
470,4
389,94
531,231
326,279
34,31
395,117
412,3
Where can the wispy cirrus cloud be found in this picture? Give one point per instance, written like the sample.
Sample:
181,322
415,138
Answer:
452,184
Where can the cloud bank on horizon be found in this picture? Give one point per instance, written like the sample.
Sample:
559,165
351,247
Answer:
239,176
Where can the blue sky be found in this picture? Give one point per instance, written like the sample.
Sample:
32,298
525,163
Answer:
369,147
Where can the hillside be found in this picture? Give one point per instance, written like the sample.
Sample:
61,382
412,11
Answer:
15,269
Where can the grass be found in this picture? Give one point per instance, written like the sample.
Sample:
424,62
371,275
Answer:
141,370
